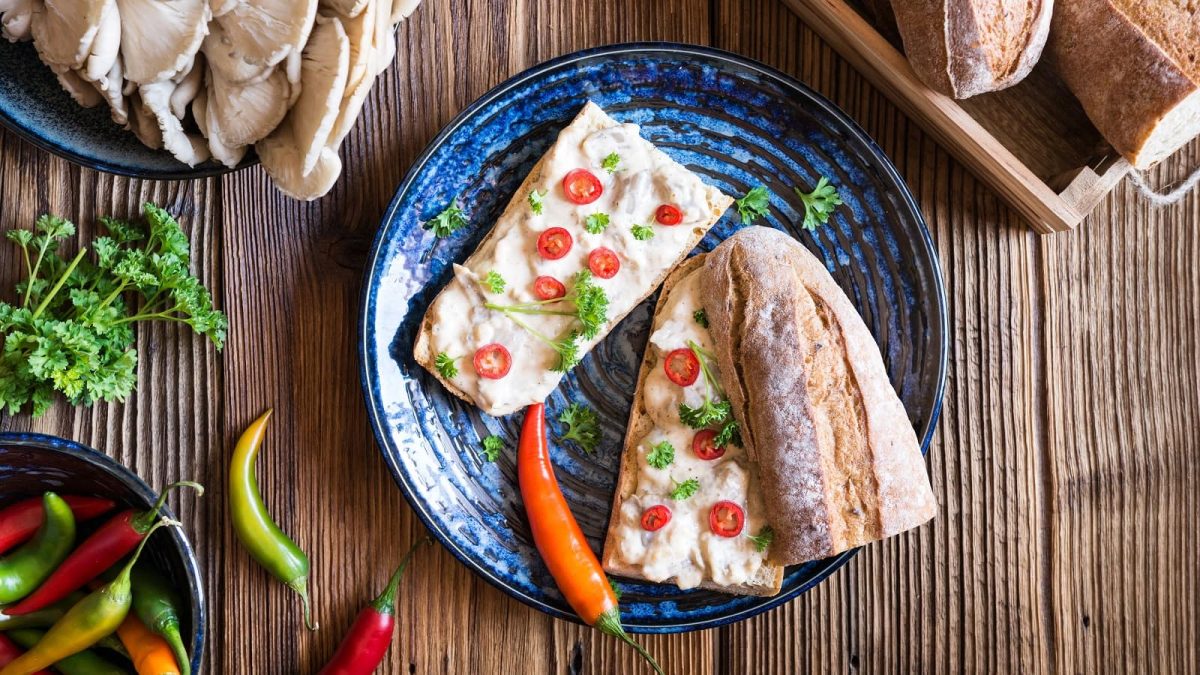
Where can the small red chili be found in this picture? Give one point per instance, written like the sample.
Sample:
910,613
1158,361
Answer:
548,288
582,186
604,263
20,521
655,518
668,214
726,519
554,243
704,445
492,361
682,366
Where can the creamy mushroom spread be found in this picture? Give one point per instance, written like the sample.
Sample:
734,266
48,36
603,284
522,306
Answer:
636,180
687,549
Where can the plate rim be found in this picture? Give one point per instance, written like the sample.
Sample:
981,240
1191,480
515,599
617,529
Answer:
370,279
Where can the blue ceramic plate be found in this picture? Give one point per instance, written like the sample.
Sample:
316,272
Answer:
35,107
738,124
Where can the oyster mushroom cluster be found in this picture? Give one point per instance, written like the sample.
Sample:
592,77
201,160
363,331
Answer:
209,79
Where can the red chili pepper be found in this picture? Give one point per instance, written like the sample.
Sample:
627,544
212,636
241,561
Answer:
559,540
20,521
112,541
10,651
363,648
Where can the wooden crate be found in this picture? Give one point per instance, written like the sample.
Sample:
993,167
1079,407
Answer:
1031,143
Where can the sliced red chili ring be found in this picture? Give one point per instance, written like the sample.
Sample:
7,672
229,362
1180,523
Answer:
704,445
726,519
582,186
655,517
492,361
554,243
668,214
548,288
604,263
682,366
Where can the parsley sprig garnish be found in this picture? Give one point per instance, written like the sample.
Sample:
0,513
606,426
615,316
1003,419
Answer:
492,445
446,365
684,490
494,282
642,232
763,539
712,411
582,426
701,317
588,303
819,204
755,204
536,201
449,221
71,329
611,162
661,455
596,223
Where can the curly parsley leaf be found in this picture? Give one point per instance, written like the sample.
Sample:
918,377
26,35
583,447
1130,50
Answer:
611,162
763,539
446,366
492,445
708,413
643,232
589,306
819,204
70,333
596,223
661,455
537,201
494,282
684,490
730,432
583,427
754,205
701,317
449,221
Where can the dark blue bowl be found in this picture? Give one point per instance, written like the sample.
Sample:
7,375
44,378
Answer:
738,124
36,108
31,464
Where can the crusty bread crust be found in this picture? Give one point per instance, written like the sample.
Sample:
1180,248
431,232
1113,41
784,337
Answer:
595,119
839,461
1142,99
770,579
967,47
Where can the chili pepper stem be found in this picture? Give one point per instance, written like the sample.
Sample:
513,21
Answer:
300,586
609,623
385,603
143,521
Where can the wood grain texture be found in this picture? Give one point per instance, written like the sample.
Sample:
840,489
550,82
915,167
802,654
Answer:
1064,462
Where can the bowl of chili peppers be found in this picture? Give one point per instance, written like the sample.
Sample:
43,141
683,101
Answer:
86,580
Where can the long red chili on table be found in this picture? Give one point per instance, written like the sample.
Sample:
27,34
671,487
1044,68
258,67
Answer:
559,540
112,541
20,521
363,648
11,651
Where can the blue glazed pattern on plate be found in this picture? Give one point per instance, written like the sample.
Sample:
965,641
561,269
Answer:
35,107
738,124
30,464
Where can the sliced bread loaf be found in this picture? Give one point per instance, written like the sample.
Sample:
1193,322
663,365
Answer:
1135,67
967,47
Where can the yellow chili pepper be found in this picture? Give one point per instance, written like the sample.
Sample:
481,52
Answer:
151,655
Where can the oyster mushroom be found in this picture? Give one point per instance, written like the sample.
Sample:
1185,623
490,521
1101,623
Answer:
226,59
323,83
360,30
402,9
344,8
110,87
80,89
160,38
188,86
16,16
230,157
143,124
187,148
243,114
283,162
265,31
106,46
64,30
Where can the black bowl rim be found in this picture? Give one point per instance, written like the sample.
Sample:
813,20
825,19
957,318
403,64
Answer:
134,482
377,423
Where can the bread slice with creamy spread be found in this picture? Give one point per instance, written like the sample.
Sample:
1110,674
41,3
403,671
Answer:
831,458
644,177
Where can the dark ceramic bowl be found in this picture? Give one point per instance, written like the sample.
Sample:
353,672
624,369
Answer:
36,108
31,464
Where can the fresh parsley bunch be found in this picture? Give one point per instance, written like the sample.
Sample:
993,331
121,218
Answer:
70,330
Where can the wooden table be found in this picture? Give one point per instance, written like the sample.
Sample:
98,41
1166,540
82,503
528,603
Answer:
1065,461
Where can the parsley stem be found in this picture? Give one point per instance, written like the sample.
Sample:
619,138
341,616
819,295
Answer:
527,310
58,286
29,270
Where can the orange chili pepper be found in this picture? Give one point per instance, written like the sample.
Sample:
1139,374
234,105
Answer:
559,540
151,655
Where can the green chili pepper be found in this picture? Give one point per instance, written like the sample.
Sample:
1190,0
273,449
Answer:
27,567
157,604
266,543
42,618
97,615
83,663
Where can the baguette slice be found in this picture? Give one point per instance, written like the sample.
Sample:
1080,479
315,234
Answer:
967,47
590,119
769,578
1135,67
838,460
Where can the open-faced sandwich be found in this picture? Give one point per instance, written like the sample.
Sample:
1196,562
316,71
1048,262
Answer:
601,220
764,430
